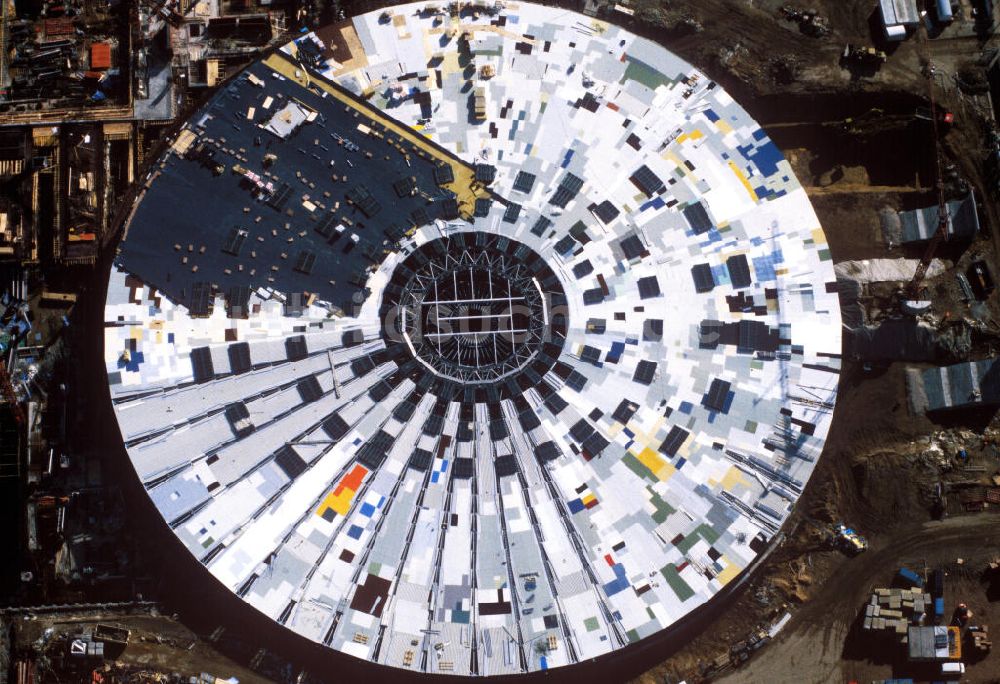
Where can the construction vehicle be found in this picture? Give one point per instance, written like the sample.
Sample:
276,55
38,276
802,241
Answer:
944,118
741,651
861,56
848,540
809,20
981,281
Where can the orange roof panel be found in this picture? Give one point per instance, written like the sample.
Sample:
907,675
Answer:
100,56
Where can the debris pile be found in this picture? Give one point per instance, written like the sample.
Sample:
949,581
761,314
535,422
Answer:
810,22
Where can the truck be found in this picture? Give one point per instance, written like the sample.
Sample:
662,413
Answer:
952,670
981,280
862,55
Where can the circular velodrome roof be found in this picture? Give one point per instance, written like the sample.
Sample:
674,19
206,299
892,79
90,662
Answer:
473,344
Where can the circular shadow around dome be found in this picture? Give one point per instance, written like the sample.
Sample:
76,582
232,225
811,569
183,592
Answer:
473,342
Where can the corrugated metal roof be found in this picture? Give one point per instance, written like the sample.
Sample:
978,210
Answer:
975,383
899,12
921,224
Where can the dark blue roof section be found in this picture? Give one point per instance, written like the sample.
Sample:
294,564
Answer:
649,287
547,451
289,462
675,439
216,220
583,269
632,247
704,281
566,245
512,212
594,295
483,205
524,182
485,173
644,372
717,397
541,225
763,153
697,217
647,181
201,364
739,271
606,211
239,357
568,188
421,460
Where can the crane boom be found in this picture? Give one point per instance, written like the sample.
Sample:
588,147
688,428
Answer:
913,288
7,390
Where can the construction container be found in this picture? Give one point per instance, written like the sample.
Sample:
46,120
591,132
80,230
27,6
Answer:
944,13
910,578
937,583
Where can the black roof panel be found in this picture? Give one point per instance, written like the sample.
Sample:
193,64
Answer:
644,372
201,364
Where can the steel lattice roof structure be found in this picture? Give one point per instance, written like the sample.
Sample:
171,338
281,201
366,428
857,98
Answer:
473,343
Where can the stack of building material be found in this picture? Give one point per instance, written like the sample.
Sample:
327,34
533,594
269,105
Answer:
893,610
981,639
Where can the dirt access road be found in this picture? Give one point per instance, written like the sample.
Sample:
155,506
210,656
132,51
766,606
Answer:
815,645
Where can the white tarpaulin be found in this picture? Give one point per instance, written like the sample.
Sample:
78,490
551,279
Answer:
885,270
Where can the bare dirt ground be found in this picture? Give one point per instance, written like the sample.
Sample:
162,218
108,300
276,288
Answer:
157,643
747,41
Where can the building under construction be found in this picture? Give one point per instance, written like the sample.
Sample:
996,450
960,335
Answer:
84,91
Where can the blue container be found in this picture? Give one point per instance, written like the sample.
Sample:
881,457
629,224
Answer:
911,577
944,13
939,607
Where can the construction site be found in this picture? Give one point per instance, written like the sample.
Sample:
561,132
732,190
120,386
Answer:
886,569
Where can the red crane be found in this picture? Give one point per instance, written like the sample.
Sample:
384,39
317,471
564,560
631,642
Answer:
7,389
